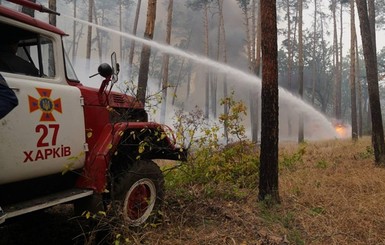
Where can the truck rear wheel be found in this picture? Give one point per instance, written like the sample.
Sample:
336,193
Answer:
138,193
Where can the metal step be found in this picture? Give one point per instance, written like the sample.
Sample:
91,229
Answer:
44,202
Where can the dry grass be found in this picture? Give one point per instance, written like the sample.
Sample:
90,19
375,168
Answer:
335,195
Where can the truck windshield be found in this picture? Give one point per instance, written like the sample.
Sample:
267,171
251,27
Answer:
70,72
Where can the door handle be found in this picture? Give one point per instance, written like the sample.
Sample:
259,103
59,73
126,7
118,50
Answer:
15,89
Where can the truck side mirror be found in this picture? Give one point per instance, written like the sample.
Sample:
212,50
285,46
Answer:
115,68
105,70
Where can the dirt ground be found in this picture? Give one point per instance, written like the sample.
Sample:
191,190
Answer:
197,222
51,226
331,193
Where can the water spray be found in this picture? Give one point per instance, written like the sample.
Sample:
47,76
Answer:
298,105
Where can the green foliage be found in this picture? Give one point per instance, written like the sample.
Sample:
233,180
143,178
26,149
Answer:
368,153
222,169
232,121
291,162
322,164
317,210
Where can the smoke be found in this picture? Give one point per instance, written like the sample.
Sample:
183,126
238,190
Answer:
239,81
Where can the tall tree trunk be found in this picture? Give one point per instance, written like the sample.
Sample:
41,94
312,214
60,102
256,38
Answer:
120,29
257,68
257,71
339,79
166,62
224,53
337,84
323,67
352,75
372,76
206,42
360,117
372,23
134,30
289,61
180,74
89,35
146,52
300,69
52,21
253,97
268,169
74,35
98,38
52,17
314,75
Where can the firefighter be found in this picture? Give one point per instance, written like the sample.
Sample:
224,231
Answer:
8,101
11,62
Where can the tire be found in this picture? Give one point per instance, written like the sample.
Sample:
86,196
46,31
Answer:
138,193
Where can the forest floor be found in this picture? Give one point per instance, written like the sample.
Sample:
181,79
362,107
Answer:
332,194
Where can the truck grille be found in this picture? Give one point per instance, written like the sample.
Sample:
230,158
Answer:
118,98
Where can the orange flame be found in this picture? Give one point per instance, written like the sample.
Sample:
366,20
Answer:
341,130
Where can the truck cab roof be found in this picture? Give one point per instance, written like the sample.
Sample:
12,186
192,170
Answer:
7,12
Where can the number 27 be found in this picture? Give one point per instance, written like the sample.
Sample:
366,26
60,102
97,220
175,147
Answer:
43,129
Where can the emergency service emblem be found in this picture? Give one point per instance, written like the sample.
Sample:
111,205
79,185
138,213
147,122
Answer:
45,104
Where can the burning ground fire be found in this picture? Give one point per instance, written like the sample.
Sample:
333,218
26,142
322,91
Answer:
342,130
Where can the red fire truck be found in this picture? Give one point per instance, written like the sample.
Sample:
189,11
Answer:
66,142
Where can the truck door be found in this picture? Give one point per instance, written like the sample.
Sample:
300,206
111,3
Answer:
44,134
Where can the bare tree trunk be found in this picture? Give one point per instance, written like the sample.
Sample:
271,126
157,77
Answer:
99,42
257,71
257,68
300,69
52,21
180,75
120,29
214,81
248,39
314,75
372,23
323,67
360,128
206,41
166,62
146,52
289,61
74,36
52,17
352,76
372,76
268,169
89,35
188,86
339,88
253,97
337,85
134,30
224,50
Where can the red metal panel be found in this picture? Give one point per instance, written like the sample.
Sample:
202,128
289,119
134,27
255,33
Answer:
94,173
4,11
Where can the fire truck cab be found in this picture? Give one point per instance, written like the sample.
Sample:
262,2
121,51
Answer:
66,142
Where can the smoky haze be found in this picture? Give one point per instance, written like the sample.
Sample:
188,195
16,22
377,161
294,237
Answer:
187,33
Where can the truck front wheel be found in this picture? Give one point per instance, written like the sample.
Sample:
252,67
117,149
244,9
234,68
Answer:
138,193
